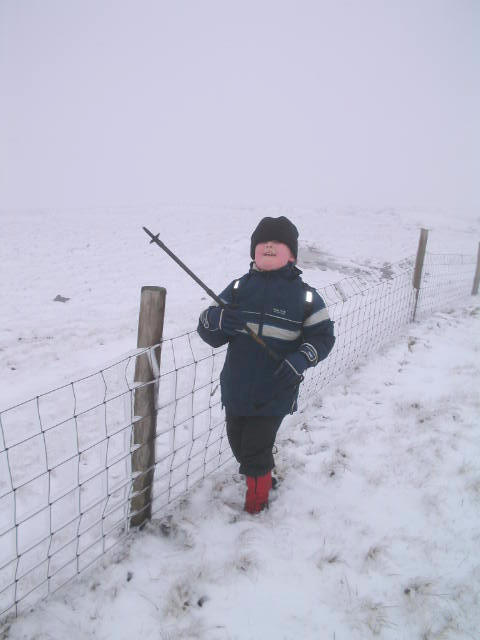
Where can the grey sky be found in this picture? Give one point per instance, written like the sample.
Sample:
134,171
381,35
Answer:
299,102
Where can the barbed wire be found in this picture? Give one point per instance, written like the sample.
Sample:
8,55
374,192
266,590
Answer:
66,476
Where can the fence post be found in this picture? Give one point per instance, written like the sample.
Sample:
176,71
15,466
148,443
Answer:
476,279
147,366
417,274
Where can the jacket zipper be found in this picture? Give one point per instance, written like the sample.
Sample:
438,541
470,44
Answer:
262,317
260,353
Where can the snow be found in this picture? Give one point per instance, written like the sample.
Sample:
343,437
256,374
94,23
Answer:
374,528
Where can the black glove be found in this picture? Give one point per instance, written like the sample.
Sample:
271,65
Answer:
227,319
290,371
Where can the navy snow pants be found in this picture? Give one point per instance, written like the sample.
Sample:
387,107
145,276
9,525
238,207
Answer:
251,439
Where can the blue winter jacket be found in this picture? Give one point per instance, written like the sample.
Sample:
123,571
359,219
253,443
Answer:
273,304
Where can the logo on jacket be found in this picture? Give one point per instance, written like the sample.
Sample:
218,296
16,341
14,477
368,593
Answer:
281,312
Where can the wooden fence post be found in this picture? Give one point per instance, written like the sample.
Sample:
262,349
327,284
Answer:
476,279
417,274
147,367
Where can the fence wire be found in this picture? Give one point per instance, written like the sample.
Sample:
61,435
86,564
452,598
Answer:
66,479
446,279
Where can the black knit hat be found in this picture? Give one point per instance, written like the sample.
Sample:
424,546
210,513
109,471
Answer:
279,229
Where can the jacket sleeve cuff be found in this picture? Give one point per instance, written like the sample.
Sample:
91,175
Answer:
310,353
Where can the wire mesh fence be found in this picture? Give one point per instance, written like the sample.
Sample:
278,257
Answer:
367,313
190,440
64,483
446,279
66,478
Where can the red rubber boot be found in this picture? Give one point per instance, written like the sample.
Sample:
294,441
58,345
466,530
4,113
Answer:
257,492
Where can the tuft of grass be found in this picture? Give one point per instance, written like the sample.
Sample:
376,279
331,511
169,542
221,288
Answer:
327,557
373,553
372,615
179,598
5,631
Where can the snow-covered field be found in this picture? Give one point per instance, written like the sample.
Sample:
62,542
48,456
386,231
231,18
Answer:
373,532
375,527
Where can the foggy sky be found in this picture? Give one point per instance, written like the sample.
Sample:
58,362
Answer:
298,102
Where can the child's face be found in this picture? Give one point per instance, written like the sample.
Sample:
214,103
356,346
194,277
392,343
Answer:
272,255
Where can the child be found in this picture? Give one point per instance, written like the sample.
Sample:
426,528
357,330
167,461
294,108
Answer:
291,318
